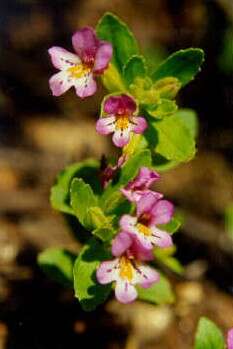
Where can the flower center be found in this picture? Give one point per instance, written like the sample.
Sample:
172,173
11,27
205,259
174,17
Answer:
122,123
78,71
126,268
143,229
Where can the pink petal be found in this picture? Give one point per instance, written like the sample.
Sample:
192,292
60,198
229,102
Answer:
121,137
145,204
85,86
144,179
104,126
161,238
127,223
85,43
139,124
63,59
107,271
147,276
139,252
125,292
60,83
103,57
162,212
120,105
230,339
121,243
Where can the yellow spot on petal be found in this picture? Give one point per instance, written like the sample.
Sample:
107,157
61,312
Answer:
126,268
78,71
122,123
143,229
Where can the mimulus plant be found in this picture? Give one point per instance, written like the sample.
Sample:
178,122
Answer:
122,222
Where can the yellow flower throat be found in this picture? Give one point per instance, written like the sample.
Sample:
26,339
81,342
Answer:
126,269
143,229
122,122
78,71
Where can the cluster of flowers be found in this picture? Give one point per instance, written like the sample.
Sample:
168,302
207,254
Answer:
138,234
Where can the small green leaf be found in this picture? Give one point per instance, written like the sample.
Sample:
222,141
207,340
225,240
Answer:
229,220
112,29
172,226
102,224
165,256
159,293
189,118
134,68
88,291
82,198
112,80
167,87
60,193
172,139
58,264
165,107
208,335
183,65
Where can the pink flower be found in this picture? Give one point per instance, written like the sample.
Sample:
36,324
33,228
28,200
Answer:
140,185
77,69
126,272
120,119
150,213
109,171
230,339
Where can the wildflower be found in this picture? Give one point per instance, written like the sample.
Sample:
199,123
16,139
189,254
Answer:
150,213
120,119
126,272
230,339
109,171
77,69
136,188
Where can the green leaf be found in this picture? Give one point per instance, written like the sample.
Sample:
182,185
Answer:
82,198
189,118
165,107
229,220
58,264
183,65
159,293
134,68
208,335
102,224
60,192
112,29
172,226
88,291
112,80
165,256
167,87
172,139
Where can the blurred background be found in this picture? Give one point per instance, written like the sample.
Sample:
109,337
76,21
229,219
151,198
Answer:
40,134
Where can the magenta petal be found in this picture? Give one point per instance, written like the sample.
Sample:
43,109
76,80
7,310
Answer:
139,251
121,243
59,83
120,105
85,86
63,59
103,56
121,137
107,272
125,292
104,126
230,339
139,124
85,43
162,212
145,204
145,178
161,238
147,277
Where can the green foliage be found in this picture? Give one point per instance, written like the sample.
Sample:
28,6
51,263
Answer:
112,79
134,68
159,293
88,291
82,199
58,264
165,256
112,29
189,118
208,335
60,192
229,220
171,139
102,224
173,225
183,65
165,107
